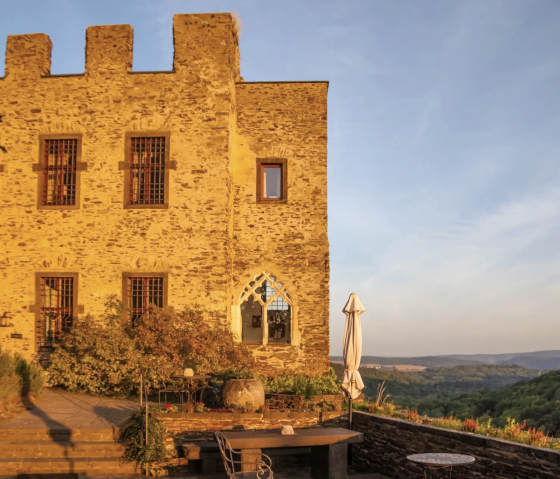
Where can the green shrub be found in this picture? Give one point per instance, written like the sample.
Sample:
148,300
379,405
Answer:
32,375
8,363
105,356
10,388
133,439
19,377
303,385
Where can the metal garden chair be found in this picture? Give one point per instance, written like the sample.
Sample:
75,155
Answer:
263,468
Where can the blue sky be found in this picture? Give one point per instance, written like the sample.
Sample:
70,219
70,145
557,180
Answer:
444,150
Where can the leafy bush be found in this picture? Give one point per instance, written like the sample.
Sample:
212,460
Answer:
104,356
133,439
192,338
241,373
97,357
303,385
32,375
10,388
470,425
18,377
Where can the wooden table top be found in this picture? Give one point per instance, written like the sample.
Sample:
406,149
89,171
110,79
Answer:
441,459
301,438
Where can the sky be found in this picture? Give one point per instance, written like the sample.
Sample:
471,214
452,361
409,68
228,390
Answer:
444,150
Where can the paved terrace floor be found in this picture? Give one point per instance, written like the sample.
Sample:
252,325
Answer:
57,409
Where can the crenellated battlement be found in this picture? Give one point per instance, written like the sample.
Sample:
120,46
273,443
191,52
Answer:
204,45
28,56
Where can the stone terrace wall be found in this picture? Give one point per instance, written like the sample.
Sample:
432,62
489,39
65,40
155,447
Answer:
388,441
201,426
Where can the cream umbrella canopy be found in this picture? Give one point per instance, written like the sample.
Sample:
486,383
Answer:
352,383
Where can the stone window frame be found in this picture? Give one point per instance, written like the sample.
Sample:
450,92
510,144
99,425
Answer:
140,274
283,162
287,296
125,167
36,307
40,168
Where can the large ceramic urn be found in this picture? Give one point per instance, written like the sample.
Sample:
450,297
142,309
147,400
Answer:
239,392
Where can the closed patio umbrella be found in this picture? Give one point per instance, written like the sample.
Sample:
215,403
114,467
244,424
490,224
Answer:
352,383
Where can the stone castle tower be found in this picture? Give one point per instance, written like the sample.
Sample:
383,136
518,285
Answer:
170,187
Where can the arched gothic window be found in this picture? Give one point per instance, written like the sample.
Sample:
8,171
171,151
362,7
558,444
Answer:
266,310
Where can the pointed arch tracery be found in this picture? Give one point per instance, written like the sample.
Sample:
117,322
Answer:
266,310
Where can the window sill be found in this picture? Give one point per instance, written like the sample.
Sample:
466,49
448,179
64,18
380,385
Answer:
272,202
58,207
164,206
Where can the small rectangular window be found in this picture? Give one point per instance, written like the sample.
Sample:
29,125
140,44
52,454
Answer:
272,178
271,182
57,303
59,172
147,171
143,291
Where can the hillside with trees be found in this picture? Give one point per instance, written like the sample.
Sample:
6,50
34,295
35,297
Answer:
427,389
535,402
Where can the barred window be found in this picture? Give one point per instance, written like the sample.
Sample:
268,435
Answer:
59,172
143,292
56,308
147,171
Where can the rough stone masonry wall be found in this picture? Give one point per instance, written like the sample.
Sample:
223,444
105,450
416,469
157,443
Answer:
189,240
388,441
285,120
197,427
213,237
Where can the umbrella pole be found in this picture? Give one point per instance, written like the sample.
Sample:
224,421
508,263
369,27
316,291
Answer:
350,427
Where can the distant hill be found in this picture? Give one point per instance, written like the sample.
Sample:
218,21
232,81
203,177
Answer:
436,385
536,401
546,360
535,360
427,361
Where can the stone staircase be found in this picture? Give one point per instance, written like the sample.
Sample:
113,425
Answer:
92,452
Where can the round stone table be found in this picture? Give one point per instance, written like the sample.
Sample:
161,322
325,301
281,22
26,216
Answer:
441,465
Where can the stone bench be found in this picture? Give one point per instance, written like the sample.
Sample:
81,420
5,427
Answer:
208,453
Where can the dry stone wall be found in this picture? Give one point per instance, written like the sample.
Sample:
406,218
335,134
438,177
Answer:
388,441
196,427
212,236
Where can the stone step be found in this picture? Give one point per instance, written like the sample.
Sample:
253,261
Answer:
57,435
87,466
44,449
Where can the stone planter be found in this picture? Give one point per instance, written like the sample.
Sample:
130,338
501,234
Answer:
239,392
335,399
285,401
295,401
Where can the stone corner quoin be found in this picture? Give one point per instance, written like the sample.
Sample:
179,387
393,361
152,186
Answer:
114,176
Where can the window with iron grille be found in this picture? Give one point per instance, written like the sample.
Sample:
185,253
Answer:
60,159
143,292
147,171
56,308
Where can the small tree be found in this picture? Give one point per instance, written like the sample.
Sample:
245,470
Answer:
192,338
